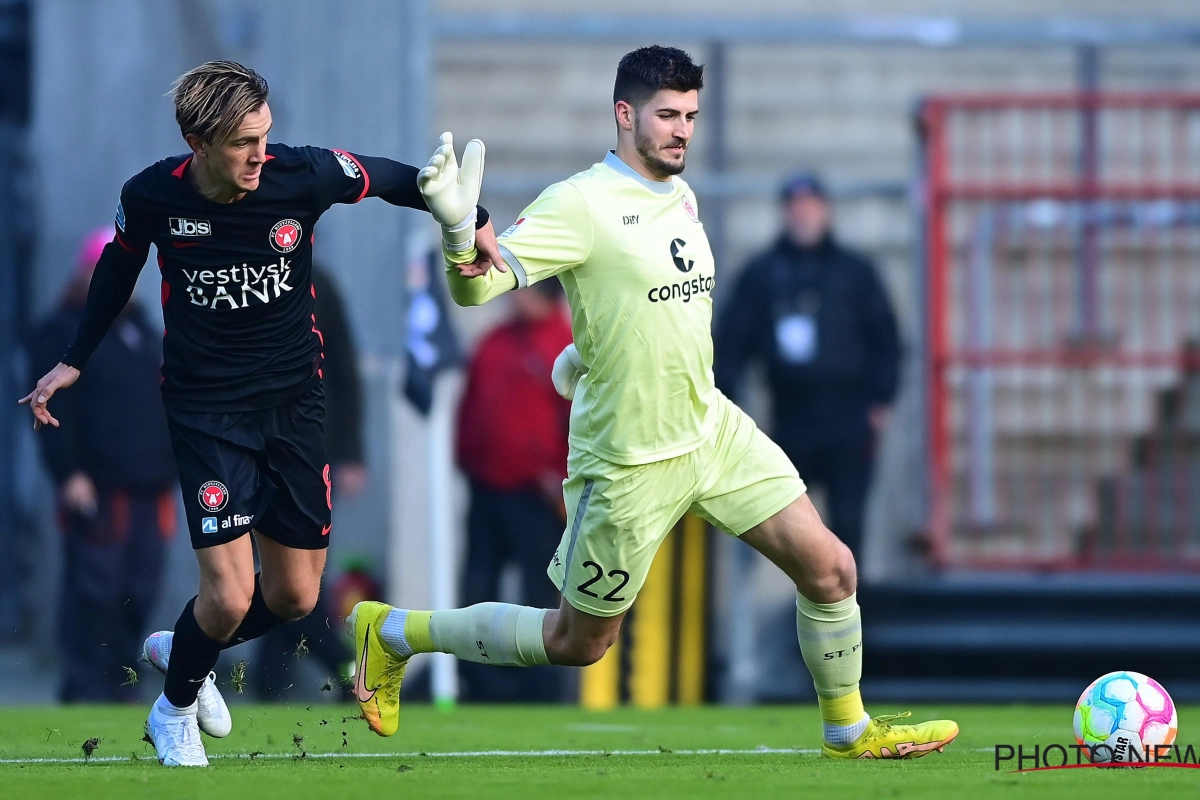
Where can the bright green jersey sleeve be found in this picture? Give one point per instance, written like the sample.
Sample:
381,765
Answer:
478,290
554,234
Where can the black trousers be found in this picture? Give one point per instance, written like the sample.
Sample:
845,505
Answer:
511,527
112,573
842,467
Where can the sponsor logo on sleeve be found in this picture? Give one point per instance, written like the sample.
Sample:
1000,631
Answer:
511,229
190,227
286,235
213,496
208,525
120,217
348,166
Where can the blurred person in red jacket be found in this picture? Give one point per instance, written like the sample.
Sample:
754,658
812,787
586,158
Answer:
512,444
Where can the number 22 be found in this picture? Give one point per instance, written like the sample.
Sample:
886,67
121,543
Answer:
612,595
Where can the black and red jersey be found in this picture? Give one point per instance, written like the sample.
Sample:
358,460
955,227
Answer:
236,277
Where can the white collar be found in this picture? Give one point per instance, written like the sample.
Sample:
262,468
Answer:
617,165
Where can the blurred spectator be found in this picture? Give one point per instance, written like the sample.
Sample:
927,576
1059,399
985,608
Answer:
319,634
111,461
512,443
817,316
430,341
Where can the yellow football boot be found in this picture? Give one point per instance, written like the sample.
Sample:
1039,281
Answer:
882,739
377,669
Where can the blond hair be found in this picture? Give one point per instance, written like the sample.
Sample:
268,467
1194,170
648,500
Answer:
212,99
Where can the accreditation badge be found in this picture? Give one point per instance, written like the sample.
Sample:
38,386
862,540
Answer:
796,337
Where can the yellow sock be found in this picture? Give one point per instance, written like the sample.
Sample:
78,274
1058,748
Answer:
416,631
845,710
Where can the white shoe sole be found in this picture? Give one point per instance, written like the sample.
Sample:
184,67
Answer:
167,759
212,713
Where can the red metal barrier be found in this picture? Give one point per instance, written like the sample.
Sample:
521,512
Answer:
1063,247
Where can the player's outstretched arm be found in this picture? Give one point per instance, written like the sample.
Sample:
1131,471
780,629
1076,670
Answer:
348,178
113,281
554,234
452,194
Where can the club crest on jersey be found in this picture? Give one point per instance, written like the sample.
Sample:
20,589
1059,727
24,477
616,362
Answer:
690,208
285,236
213,496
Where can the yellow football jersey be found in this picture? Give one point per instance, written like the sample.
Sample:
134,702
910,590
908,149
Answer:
638,272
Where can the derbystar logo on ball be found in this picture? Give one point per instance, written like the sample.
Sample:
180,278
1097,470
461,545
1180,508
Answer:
1125,712
213,496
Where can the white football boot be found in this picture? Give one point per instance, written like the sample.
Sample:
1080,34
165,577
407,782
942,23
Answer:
176,736
211,712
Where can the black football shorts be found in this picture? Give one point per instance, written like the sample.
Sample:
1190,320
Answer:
255,470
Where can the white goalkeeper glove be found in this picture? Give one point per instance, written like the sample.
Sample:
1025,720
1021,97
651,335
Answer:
452,192
568,369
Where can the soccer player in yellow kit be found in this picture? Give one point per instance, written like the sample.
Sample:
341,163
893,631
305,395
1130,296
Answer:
651,436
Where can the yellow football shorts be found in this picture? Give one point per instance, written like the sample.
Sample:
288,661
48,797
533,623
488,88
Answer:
617,515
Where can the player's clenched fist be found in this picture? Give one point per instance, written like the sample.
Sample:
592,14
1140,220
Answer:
568,369
60,377
452,192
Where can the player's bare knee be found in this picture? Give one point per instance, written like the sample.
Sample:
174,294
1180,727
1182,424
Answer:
290,602
836,580
220,610
580,650
581,654
586,652
845,570
839,579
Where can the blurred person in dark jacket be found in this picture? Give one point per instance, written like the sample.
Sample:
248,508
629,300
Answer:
512,444
117,493
319,634
818,317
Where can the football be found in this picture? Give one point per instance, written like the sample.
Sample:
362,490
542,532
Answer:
1121,714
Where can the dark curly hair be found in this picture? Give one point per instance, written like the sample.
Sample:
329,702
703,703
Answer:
648,69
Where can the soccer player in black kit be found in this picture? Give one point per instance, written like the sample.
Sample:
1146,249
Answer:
233,223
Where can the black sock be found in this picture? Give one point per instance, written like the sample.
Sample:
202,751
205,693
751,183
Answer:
258,620
193,655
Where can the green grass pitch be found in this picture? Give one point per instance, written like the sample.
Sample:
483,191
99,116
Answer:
302,752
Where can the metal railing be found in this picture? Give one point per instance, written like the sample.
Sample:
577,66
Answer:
1063,241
